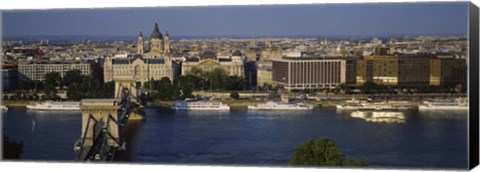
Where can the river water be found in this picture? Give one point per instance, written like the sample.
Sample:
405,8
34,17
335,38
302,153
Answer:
241,137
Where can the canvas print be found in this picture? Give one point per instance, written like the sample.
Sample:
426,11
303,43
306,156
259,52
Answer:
371,85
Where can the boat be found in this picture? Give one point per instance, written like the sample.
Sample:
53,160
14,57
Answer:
3,107
271,105
52,105
199,105
457,104
388,117
359,114
384,105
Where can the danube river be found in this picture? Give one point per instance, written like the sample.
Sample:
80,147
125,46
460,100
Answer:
240,137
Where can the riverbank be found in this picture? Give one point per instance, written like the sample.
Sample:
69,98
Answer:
16,103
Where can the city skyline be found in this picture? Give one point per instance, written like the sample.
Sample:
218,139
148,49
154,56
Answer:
263,20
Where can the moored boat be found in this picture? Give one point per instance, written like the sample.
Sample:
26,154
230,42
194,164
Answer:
199,105
457,104
51,105
270,105
3,107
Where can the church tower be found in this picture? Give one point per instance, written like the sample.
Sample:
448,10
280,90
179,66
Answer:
156,40
140,48
166,43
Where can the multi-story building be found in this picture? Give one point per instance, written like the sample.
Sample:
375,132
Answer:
351,70
264,73
233,65
380,69
140,68
36,70
414,70
308,73
448,72
9,78
411,70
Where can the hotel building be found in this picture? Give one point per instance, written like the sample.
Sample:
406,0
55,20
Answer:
308,73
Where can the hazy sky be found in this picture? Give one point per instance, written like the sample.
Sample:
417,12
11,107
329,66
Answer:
320,19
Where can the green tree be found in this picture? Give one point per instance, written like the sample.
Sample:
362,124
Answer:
11,149
50,92
72,76
235,83
217,78
234,95
165,90
53,79
322,152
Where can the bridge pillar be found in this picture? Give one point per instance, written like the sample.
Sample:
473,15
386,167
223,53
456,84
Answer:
104,111
125,83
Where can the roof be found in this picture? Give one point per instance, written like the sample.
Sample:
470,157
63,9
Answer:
130,59
224,60
156,33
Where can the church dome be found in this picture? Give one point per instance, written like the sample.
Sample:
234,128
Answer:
156,33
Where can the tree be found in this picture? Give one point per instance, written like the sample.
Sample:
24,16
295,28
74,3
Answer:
72,76
11,149
323,152
50,92
217,78
234,95
53,79
235,83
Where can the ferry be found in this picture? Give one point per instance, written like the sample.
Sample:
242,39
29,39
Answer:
457,104
199,105
51,105
270,105
390,105
387,117
3,107
359,114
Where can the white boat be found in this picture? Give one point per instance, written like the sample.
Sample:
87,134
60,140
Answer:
51,105
270,105
359,114
3,107
199,105
358,105
388,117
458,104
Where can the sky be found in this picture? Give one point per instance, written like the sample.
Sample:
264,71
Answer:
277,20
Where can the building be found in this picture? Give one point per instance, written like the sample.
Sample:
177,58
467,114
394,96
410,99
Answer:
264,73
448,72
351,70
414,70
9,78
158,45
411,70
380,69
36,70
140,68
233,65
308,73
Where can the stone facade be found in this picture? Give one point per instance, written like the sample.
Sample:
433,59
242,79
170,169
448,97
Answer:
36,70
308,73
233,65
138,68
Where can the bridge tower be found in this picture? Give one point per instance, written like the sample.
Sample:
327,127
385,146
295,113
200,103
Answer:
98,114
104,120
126,83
